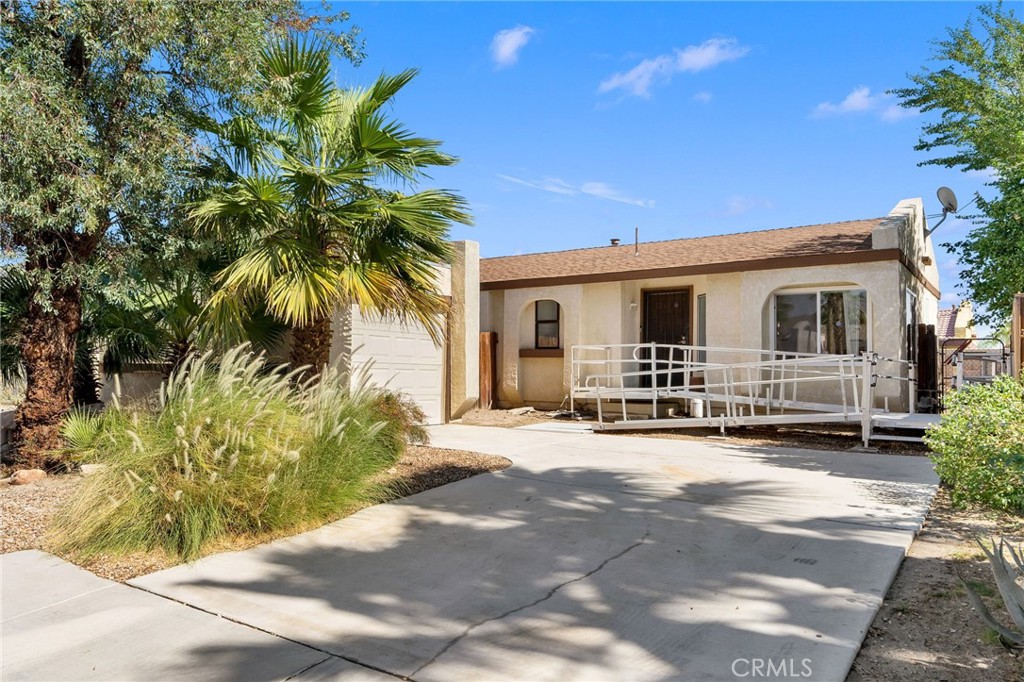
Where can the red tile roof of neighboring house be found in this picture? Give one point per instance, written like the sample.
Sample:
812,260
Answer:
818,244
945,326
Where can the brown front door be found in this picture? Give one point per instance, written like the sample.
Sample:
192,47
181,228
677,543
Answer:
666,319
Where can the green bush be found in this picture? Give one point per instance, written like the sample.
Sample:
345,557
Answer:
232,449
978,447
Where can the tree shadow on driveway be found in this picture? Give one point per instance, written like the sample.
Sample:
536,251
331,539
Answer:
581,574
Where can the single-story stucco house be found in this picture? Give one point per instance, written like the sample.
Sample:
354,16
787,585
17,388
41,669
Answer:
837,288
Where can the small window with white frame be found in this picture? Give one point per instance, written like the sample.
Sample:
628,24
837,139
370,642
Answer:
831,320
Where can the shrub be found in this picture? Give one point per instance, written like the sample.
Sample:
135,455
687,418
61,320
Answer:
978,447
231,449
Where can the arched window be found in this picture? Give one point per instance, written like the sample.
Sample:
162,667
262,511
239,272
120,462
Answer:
547,325
830,320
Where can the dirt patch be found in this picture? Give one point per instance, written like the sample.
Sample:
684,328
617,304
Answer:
423,468
506,419
926,630
824,438
25,511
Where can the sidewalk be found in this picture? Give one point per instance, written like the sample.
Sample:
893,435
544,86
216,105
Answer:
63,623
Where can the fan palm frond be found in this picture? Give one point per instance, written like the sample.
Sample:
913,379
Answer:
316,231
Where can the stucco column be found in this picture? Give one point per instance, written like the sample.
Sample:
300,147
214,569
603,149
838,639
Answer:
464,328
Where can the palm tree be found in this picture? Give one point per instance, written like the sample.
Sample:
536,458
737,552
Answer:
313,203
157,322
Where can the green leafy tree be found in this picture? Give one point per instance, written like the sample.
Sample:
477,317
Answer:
96,136
313,203
978,94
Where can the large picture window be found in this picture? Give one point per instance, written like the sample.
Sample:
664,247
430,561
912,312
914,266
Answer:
547,324
833,321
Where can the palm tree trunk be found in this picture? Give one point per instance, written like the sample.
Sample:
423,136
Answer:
311,345
177,352
86,387
48,341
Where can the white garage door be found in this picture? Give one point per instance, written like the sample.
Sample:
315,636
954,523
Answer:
404,359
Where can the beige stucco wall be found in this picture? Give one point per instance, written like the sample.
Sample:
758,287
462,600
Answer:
541,383
738,316
133,386
517,332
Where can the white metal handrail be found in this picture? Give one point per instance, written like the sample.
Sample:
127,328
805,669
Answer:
747,390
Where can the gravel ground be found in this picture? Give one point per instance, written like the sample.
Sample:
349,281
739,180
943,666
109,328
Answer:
25,510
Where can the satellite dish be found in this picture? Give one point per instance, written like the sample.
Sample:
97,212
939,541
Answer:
949,205
947,199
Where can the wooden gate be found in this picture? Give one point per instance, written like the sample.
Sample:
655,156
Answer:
927,368
1017,336
488,370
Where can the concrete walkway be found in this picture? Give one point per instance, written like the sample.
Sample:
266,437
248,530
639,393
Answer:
63,623
595,557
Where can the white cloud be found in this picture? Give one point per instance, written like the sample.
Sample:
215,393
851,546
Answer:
691,59
507,44
862,101
553,185
703,97
604,191
737,205
710,53
600,190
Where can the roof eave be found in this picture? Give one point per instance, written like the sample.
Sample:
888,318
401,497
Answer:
781,262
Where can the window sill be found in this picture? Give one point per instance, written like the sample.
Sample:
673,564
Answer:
541,352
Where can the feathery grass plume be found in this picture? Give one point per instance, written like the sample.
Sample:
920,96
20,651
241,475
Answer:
234,448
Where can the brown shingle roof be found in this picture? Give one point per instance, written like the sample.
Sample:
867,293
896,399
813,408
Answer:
722,253
945,326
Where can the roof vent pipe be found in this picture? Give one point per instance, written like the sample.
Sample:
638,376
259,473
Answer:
615,242
636,241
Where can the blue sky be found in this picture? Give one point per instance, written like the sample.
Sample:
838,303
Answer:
576,122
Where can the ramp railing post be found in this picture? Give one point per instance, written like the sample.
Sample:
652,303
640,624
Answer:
842,383
912,383
866,401
654,365
575,380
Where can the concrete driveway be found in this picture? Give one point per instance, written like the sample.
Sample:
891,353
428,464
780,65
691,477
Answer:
595,557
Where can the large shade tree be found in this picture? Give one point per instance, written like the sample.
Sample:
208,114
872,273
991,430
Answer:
318,204
977,96
96,133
